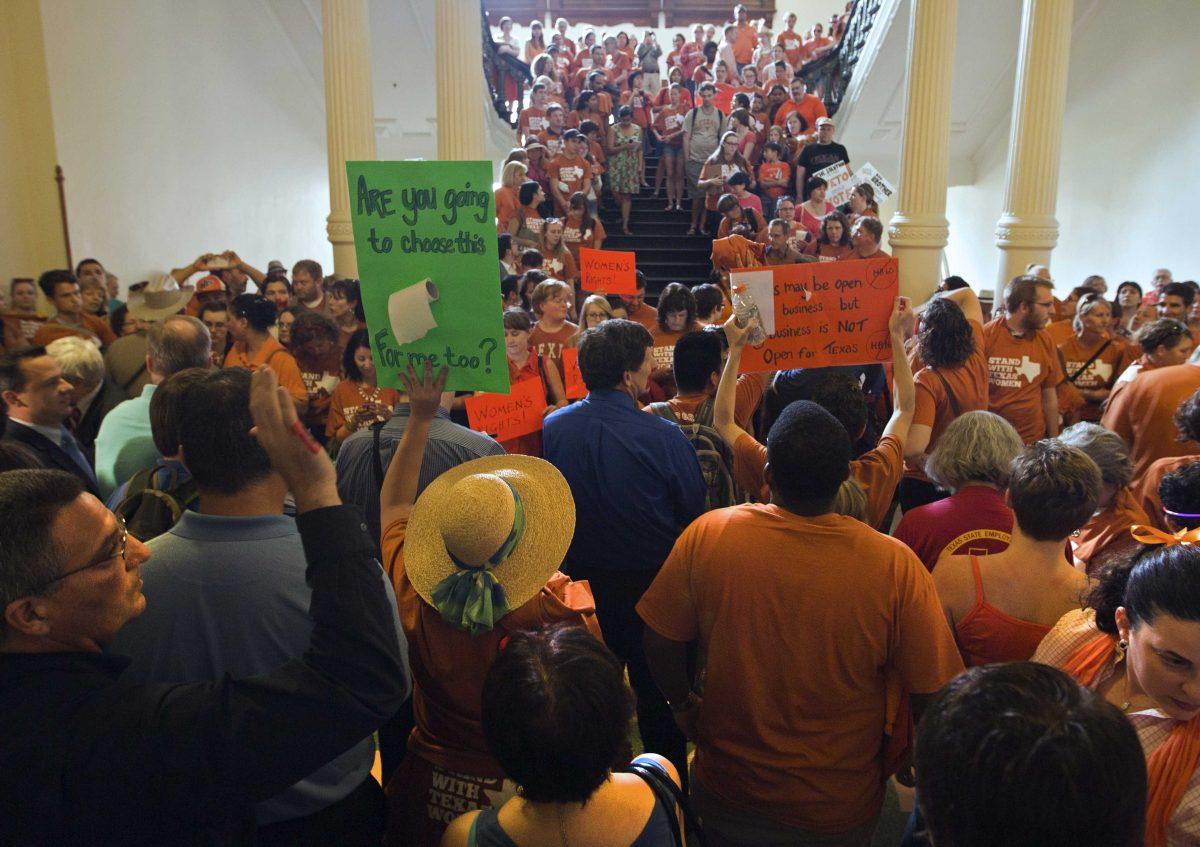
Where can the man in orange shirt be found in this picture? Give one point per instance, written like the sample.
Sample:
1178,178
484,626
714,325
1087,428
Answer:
636,308
809,106
62,290
570,169
696,365
878,471
533,117
745,40
1143,413
1187,420
808,651
791,42
616,63
552,135
1023,365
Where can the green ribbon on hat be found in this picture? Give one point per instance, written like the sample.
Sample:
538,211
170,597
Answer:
471,598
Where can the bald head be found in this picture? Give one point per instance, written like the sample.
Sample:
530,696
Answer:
175,344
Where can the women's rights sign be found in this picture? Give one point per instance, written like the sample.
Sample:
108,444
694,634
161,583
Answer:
821,314
425,236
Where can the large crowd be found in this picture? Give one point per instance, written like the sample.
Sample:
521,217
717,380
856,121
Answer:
252,596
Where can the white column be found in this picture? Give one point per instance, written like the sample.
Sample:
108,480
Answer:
918,230
459,81
1027,230
349,115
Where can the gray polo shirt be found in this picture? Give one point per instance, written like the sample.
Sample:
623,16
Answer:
450,445
227,595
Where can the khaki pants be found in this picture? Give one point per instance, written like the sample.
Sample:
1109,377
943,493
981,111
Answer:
653,83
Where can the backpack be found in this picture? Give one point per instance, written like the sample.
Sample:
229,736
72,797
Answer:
715,456
149,511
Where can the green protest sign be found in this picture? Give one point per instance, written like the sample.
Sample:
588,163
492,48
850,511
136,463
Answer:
425,235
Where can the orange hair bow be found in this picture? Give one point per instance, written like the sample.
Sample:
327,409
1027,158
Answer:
1154,535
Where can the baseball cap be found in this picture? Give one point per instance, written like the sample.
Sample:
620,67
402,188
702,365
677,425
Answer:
210,284
823,121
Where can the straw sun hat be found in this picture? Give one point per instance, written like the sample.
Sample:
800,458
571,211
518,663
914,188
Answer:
484,537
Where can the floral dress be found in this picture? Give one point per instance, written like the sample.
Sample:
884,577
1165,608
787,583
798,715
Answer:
624,175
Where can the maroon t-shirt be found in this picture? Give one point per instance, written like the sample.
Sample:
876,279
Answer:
972,521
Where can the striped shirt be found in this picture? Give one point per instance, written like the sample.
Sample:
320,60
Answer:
1073,630
449,446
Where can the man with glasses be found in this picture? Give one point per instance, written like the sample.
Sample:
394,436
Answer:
1023,364
87,758
635,305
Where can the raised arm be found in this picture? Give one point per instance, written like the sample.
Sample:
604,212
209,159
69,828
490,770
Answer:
203,748
399,491
725,404
200,265
902,378
249,270
968,301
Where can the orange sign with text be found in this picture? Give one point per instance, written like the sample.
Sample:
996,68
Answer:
610,271
511,415
573,377
821,314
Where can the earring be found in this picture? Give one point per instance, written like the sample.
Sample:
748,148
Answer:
1123,645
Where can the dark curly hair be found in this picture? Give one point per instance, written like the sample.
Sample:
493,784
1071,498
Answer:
946,339
1187,418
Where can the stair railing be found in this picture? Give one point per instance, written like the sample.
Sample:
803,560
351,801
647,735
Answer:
505,75
828,76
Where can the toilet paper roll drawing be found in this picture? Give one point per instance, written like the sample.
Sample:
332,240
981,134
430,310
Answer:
409,313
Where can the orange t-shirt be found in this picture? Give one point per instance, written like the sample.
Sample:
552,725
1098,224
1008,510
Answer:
507,203
793,46
321,379
550,344
349,397
575,238
1143,413
744,43
826,594
968,384
810,108
750,387
1019,369
598,157
1100,374
1060,331
94,328
271,353
531,121
574,171
529,444
639,101
668,119
561,266
878,471
554,145
775,170
19,330
1146,487
645,315
1106,534
449,665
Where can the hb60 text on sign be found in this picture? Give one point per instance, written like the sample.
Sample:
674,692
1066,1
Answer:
832,313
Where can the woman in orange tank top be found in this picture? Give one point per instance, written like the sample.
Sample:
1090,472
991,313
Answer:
1137,644
1001,605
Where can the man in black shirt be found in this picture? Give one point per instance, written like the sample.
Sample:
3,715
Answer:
88,759
819,155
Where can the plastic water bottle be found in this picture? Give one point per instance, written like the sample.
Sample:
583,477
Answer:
746,310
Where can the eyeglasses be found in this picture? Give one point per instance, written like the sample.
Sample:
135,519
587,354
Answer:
1048,305
102,559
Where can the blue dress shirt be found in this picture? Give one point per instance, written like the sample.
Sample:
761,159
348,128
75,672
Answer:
634,476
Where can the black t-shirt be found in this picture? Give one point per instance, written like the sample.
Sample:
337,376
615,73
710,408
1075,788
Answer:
815,157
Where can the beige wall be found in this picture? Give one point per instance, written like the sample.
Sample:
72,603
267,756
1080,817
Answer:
30,230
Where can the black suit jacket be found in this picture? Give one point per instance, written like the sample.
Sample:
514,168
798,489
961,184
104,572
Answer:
51,455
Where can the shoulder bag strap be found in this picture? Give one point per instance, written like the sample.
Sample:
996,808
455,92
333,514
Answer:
949,394
141,370
1071,379
662,785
